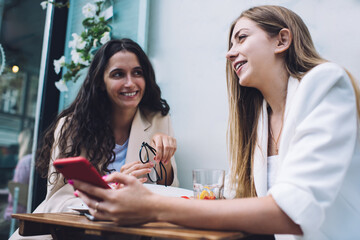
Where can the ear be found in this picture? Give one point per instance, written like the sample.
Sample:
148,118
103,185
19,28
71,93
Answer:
284,39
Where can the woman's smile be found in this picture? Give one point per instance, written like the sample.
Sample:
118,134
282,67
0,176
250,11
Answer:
238,66
129,94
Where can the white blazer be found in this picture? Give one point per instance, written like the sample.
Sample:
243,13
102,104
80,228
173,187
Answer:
318,182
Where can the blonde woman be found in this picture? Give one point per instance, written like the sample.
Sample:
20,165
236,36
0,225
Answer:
293,141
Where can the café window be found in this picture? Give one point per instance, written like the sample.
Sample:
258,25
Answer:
21,37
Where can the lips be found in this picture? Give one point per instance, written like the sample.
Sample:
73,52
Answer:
237,65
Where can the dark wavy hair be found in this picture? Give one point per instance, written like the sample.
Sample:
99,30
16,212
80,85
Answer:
87,121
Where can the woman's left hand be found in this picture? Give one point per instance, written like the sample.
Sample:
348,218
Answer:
165,147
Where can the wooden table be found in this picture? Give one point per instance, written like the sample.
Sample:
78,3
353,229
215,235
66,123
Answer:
75,226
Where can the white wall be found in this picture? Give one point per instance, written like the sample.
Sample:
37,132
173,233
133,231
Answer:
187,46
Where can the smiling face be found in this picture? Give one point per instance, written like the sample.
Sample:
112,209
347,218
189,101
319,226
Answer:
124,80
252,53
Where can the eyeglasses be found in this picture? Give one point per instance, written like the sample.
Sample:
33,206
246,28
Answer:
148,148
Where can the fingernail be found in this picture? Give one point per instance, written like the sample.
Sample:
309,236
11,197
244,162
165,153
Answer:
149,170
104,177
151,164
116,183
76,194
71,182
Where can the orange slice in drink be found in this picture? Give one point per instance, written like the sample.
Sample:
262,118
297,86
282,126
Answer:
204,194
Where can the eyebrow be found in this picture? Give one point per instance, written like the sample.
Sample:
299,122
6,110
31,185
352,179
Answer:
120,69
238,32
114,70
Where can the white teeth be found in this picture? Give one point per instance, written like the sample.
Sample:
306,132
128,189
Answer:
130,94
237,66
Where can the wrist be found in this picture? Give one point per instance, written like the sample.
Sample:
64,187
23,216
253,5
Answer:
157,205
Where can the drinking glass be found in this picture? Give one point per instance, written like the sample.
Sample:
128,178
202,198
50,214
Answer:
208,183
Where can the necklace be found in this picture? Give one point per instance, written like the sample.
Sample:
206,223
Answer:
276,141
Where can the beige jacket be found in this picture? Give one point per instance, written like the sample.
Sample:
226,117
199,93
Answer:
144,126
60,196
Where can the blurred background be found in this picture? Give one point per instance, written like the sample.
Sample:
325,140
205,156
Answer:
186,41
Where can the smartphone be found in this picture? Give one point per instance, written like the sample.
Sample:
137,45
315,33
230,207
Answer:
79,168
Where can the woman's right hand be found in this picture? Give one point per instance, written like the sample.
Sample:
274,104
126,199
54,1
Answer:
137,169
131,204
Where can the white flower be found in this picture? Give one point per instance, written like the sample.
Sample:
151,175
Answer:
75,56
61,85
105,38
77,42
81,44
95,42
58,64
89,10
44,4
84,62
72,44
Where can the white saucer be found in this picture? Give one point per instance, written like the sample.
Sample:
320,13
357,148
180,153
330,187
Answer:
169,191
82,209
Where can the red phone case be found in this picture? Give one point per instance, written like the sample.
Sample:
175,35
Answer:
79,168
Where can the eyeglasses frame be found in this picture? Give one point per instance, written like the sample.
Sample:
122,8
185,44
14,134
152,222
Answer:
147,159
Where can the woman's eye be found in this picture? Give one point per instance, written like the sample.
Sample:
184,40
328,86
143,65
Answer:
242,38
117,75
138,73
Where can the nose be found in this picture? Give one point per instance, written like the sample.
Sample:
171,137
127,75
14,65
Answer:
231,54
129,81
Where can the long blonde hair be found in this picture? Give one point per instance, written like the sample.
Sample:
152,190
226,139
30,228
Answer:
245,103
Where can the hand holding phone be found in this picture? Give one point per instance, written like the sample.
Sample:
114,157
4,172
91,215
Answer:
80,168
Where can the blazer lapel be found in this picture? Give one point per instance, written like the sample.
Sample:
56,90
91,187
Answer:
260,153
138,134
284,140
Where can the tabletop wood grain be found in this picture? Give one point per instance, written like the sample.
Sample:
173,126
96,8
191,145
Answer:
43,223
